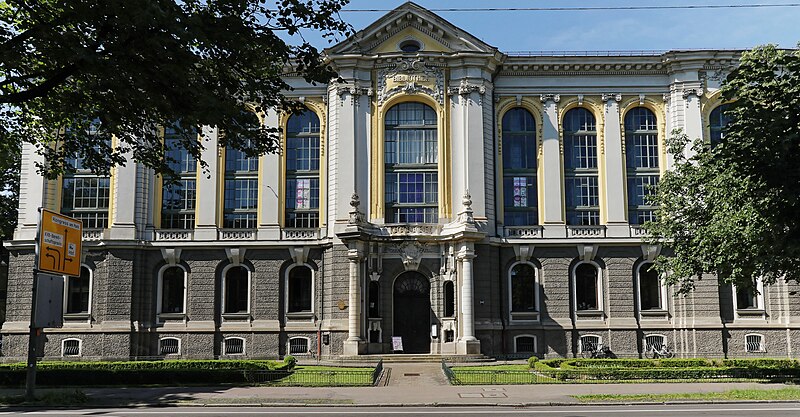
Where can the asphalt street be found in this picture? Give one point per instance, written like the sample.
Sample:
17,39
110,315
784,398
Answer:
701,410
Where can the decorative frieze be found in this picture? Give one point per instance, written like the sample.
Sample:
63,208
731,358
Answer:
411,76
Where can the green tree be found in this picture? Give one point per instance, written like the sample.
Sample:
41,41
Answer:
9,188
733,209
75,73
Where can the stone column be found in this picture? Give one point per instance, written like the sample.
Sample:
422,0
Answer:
353,344
468,343
206,195
552,184
614,167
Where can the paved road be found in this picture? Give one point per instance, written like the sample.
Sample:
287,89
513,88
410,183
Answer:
710,410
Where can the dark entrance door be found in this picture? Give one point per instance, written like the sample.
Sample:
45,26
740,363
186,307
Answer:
412,312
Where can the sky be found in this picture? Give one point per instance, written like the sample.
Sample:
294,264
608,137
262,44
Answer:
509,31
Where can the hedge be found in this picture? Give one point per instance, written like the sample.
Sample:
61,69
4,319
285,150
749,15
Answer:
168,372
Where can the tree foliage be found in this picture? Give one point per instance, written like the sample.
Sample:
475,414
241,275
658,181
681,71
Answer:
75,73
9,188
733,209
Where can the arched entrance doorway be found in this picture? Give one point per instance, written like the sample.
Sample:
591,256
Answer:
412,312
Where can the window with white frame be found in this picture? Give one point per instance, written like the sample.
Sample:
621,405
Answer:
654,342
180,193
586,278
525,344
642,161
411,162
580,168
754,343
236,288
523,292
71,347
589,342
650,288
85,195
169,346
241,190
234,346
298,346
519,168
299,286
78,292
302,170
172,290
749,297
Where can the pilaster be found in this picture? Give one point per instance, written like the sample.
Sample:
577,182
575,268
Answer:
553,195
354,344
269,204
467,343
31,193
123,218
207,189
614,161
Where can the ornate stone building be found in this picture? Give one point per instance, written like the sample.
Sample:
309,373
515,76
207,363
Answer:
463,199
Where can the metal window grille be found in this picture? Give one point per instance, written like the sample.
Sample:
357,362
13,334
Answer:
653,342
525,344
754,343
234,346
298,346
72,347
589,343
169,346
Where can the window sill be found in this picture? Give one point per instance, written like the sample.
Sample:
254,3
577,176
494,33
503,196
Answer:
171,316
654,313
750,312
518,316
75,317
590,314
236,316
300,315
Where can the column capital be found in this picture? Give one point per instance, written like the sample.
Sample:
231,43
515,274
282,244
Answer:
555,98
611,96
355,254
692,91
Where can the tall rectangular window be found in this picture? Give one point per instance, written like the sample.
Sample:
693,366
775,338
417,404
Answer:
302,170
86,196
178,196
411,162
241,190
520,204
580,168
642,162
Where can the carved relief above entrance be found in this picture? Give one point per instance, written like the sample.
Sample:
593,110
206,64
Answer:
411,254
411,76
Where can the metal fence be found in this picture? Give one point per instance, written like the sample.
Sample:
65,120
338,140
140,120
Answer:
462,376
316,378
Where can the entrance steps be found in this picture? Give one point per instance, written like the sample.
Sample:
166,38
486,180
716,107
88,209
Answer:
411,358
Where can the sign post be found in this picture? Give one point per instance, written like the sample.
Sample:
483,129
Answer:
58,253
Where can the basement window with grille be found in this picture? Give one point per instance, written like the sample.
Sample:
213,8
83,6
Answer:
525,344
71,347
754,343
298,346
234,346
169,346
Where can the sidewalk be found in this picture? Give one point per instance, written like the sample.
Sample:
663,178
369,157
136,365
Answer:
408,385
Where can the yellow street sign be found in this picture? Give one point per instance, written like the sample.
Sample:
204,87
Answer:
59,246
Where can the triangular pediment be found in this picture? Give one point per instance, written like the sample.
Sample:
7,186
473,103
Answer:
410,22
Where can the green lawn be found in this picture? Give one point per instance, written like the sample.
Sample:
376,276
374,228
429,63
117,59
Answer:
788,393
326,376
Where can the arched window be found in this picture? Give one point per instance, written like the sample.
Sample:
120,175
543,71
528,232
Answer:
718,119
172,290
449,299
178,198
233,346
653,342
236,286
587,287
169,346
374,299
300,289
298,346
522,279
302,170
525,344
589,342
650,288
580,168
519,168
641,149
241,190
411,161
754,343
86,195
79,292
71,347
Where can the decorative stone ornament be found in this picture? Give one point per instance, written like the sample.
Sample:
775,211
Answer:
650,252
356,216
235,255
587,252
554,97
411,254
466,215
411,76
171,255
611,96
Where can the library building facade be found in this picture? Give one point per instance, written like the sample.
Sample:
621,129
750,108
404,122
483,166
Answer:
445,198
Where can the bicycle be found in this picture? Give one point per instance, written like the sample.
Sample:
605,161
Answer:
662,352
597,352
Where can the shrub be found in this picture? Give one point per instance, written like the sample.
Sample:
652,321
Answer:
290,361
532,361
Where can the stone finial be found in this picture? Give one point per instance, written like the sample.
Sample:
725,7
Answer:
356,217
466,214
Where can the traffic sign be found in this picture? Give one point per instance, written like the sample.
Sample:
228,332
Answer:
59,245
